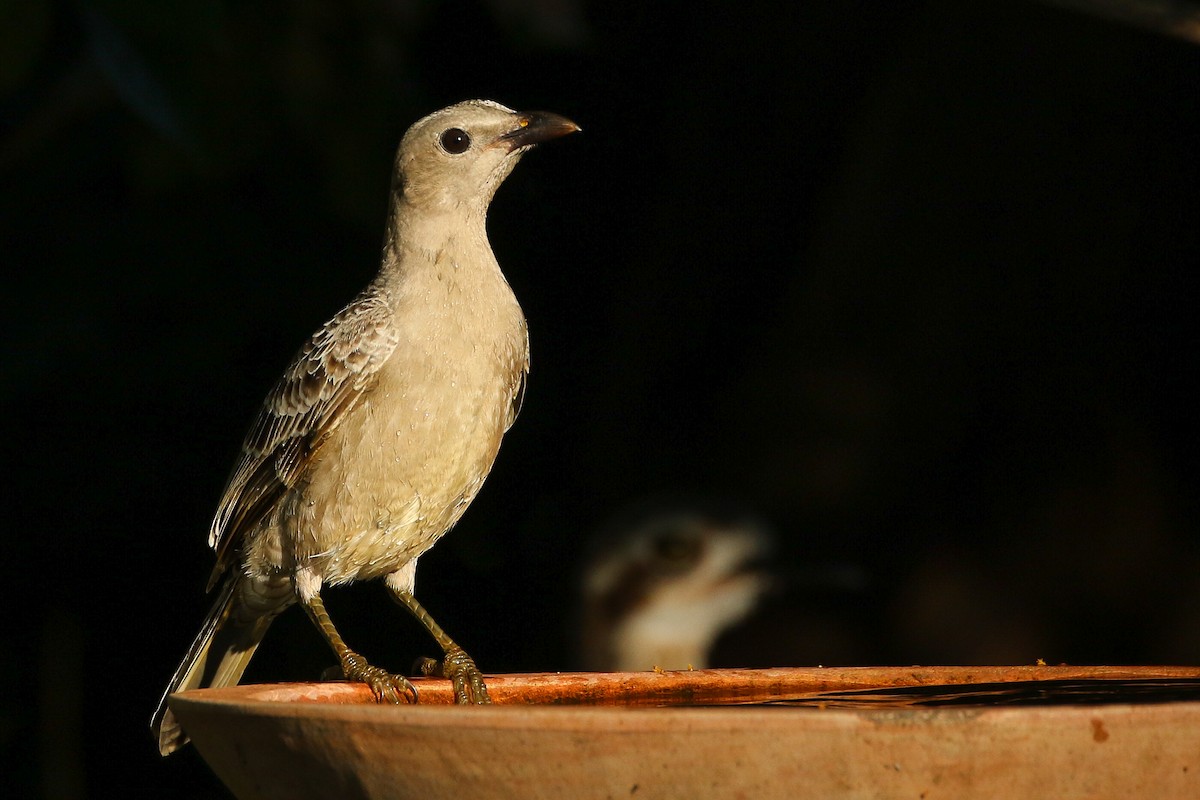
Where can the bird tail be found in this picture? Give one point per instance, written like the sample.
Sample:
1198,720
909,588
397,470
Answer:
222,649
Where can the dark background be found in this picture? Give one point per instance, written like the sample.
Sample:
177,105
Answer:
912,285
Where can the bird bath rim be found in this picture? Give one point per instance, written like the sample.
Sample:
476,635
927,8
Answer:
331,739
679,688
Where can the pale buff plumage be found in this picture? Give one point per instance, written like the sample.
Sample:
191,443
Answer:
383,428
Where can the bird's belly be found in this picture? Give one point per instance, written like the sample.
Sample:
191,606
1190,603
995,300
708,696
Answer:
397,475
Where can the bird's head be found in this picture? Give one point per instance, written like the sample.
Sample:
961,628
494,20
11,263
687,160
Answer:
457,157
661,592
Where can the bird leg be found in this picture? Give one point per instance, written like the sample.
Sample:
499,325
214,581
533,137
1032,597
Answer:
384,685
459,667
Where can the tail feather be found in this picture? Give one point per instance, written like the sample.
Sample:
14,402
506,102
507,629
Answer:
218,656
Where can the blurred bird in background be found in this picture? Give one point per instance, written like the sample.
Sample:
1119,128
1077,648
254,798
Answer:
693,587
660,593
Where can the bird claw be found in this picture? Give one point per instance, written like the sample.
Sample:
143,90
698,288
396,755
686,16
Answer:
387,687
464,676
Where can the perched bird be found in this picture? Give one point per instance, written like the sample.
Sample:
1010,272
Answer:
661,592
384,426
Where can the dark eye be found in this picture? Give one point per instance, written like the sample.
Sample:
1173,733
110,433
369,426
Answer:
455,141
675,550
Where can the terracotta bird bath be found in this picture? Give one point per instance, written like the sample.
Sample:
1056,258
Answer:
867,732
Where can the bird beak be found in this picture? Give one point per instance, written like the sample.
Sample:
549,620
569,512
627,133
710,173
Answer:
535,127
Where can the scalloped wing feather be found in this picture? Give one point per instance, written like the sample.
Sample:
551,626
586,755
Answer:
317,392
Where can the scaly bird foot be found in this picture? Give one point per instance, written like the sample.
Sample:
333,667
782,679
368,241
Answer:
465,677
384,685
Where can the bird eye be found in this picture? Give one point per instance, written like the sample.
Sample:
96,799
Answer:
455,141
674,549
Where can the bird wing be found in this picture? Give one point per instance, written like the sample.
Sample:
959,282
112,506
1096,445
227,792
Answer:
324,382
518,389
518,398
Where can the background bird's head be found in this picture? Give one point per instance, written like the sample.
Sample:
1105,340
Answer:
661,592
456,158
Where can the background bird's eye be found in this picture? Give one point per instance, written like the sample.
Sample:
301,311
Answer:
455,141
675,549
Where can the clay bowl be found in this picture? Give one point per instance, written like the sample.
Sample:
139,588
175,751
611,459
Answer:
912,732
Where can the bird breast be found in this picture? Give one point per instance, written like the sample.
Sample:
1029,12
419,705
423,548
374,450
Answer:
400,471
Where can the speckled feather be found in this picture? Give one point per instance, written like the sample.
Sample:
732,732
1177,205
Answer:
318,390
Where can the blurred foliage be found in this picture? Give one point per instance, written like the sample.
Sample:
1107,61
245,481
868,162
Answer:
24,28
